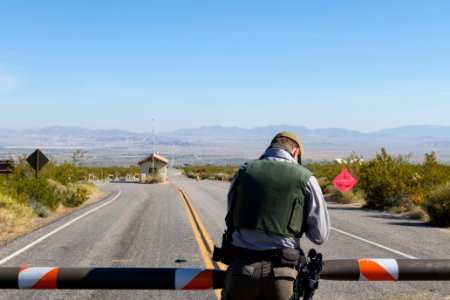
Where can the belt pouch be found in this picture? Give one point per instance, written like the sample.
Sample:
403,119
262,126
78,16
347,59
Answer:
290,256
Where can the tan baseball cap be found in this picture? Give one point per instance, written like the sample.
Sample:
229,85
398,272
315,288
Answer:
292,136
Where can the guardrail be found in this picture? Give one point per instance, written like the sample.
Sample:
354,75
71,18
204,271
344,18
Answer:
202,279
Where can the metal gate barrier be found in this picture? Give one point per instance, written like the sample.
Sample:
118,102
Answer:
201,279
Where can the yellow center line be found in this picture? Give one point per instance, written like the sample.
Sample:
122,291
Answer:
203,251
203,231
193,219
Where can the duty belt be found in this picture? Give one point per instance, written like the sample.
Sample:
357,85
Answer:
288,256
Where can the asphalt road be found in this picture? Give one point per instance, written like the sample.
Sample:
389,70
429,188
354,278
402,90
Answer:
146,226
380,236
149,226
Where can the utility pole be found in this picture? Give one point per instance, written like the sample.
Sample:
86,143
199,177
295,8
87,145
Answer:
153,147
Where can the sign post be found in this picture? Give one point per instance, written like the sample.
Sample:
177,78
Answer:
37,160
344,181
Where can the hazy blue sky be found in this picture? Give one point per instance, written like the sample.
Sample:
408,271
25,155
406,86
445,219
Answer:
362,65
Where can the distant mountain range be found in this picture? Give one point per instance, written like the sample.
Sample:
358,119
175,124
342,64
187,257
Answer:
55,136
422,132
226,141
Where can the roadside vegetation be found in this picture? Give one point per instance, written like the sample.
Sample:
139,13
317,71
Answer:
385,183
25,198
223,173
394,184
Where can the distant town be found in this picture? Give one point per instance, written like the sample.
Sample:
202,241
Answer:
220,145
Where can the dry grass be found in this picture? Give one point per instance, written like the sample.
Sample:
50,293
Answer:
333,194
95,194
6,221
17,219
418,213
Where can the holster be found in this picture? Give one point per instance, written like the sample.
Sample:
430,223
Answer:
308,276
225,254
291,256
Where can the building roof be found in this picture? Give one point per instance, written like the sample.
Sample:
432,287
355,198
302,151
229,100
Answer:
157,158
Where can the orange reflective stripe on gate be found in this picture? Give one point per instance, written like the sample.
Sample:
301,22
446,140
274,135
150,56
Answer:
378,269
38,278
193,279
203,281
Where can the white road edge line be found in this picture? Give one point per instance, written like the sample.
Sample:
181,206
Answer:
374,244
9,257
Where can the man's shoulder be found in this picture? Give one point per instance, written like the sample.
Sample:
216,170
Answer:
307,169
276,164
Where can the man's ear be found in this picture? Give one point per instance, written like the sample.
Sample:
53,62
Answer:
298,155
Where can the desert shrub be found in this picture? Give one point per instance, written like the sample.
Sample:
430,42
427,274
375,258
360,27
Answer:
75,196
418,198
16,209
14,216
329,189
386,181
39,190
56,185
64,174
417,213
399,203
222,176
25,186
39,209
437,205
326,171
433,173
191,175
210,172
44,194
324,183
333,194
429,175
59,189
153,179
70,173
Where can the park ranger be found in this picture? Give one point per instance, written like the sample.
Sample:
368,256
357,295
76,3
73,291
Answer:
271,203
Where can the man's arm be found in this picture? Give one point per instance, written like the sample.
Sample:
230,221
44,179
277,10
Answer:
318,221
231,191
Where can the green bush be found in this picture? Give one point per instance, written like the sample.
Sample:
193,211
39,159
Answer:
325,172
430,175
56,185
386,181
437,205
39,190
75,196
24,186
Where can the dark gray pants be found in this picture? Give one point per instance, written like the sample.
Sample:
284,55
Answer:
258,280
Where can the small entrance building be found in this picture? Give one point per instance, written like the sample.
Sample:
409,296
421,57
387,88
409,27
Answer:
153,165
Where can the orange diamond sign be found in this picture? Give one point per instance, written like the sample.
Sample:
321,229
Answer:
344,181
